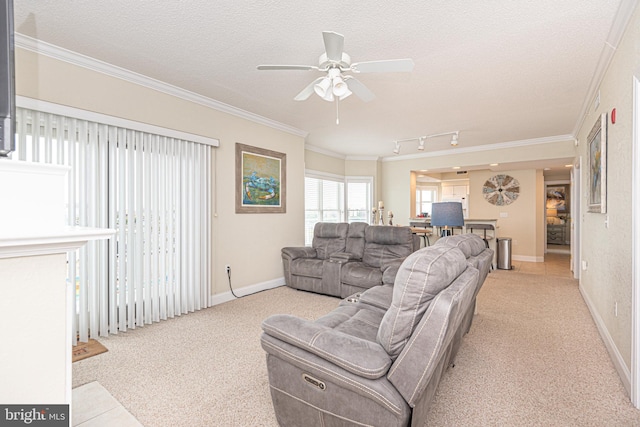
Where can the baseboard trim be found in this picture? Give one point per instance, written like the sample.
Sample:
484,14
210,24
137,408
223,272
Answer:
527,258
246,290
614,354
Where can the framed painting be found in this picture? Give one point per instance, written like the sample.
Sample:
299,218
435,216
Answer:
557,198
597,145
261,180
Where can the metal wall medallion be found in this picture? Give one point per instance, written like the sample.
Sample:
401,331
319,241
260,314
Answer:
501,190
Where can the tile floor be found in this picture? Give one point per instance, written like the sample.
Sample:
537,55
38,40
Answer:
555,264
94,406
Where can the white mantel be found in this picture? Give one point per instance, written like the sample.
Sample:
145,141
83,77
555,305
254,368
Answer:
35,356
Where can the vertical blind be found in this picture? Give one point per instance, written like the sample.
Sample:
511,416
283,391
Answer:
156,192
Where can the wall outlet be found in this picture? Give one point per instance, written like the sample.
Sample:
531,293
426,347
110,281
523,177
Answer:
227,268
584,265
504,214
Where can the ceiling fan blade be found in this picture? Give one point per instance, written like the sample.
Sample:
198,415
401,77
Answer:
287,67
385,66
307,91
359,89
333,45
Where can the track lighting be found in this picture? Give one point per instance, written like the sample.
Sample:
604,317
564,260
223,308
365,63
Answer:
422,140
454,139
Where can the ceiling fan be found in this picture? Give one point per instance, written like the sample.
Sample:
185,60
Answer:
334,62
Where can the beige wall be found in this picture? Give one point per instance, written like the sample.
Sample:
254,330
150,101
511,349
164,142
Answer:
520,220
249,243
315,161
607,281
396,189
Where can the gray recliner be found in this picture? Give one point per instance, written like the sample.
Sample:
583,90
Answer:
348,258
310,268
363,364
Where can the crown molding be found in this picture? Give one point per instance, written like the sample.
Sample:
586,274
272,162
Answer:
43,48
363,158
480,148
324,151
620,22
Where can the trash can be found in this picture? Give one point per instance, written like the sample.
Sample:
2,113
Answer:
504,253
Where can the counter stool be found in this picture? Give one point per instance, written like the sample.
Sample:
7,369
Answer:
424,233
484,228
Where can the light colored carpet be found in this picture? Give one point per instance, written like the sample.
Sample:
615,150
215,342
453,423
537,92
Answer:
533,357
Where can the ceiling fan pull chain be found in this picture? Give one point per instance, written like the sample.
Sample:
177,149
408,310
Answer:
337,111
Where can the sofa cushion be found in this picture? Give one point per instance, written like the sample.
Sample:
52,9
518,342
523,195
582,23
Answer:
360,275
355,239
332,339
329,238
422,276
308,267
385,243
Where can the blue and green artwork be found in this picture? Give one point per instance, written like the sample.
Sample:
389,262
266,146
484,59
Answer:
260,180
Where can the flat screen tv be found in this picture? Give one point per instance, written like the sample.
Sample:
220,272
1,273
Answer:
7,80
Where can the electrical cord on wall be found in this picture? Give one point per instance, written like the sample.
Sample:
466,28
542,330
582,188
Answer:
231,289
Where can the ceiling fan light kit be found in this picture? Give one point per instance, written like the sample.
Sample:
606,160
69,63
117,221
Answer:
334,61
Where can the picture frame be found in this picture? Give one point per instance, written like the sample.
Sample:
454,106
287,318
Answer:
557,198
261,180
597,185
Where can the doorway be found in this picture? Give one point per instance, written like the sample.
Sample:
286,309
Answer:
558,216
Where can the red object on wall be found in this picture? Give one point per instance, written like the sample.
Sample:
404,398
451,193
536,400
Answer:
613,116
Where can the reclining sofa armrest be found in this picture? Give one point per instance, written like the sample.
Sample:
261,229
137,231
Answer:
361,357
344,257
299,252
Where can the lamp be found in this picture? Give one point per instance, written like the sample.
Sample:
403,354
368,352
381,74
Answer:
447,214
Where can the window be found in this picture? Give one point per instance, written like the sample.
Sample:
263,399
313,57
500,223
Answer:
359,197
154,190
425,196
336,199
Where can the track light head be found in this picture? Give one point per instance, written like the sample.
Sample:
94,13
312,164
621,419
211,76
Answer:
396,150
421,144
454,139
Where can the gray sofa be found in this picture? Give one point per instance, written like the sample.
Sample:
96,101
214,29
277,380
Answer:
377,359
348,258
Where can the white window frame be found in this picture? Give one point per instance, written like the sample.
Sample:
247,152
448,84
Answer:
420,188
346,180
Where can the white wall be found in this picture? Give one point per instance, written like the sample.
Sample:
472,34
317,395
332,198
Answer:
250,243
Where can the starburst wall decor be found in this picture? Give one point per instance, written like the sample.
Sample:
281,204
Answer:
501,190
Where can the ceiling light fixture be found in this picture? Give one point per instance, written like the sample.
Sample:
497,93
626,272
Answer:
422,139
454,139
396,150
421,143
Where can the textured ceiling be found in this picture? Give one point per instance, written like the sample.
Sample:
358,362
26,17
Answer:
497,70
